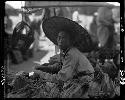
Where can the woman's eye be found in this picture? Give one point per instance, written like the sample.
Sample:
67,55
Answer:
58,38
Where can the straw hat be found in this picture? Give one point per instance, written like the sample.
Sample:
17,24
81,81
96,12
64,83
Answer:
53,25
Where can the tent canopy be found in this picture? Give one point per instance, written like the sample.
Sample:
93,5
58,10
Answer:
39,4
87,8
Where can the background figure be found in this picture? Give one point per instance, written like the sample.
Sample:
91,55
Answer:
75,17
8,24
63,12
93,29
116,14
116,18
59,12
36,27
36,41
105,29
47,13
7,35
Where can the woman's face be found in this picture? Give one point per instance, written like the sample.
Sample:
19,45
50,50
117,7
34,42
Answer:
63,40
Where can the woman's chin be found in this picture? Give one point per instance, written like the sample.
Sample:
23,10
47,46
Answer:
61,47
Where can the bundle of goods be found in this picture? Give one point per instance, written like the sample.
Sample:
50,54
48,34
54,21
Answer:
104,85
107,53
9,77
52,67
106,82
25,86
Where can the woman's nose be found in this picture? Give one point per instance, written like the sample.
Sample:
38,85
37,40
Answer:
60,42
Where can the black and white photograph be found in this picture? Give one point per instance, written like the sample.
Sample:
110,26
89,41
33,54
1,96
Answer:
62,49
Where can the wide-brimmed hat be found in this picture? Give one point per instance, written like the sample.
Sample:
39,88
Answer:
53,25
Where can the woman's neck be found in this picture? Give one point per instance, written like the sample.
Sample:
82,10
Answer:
65,50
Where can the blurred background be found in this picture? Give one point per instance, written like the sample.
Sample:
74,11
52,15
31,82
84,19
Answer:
42,49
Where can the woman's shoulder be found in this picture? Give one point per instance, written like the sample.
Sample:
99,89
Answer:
77,53
74,52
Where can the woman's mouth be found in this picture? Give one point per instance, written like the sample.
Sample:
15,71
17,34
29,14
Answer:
59,43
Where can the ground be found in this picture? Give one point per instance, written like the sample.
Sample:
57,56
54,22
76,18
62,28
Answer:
41,56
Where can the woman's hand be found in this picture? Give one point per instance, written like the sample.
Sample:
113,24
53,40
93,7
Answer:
39,73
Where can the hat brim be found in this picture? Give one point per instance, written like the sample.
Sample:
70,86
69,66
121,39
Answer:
53,25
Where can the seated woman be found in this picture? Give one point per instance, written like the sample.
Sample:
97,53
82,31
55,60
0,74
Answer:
74,63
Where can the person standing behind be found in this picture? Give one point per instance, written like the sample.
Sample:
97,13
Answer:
116,18
105,27
93,28
36,26
7,35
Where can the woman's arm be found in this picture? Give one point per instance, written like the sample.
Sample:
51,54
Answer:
68,69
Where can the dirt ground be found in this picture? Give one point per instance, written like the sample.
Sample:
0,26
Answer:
46,50
28,65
